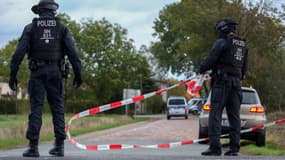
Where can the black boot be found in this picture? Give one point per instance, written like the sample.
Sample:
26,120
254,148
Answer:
58,149
33,150
231,153
211,152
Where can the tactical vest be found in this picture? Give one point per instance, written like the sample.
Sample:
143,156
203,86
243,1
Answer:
46,43
232,60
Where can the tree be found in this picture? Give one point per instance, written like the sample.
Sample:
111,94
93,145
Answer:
5,59
186,33
110,60
186,29
157,71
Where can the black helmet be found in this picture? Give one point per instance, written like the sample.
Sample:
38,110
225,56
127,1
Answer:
226,25
45,4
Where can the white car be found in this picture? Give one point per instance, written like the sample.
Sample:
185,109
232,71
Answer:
176,106
252,114
195,105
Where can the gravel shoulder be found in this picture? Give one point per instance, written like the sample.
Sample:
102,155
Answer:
177,129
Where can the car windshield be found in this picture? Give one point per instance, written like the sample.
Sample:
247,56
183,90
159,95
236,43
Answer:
192,102
249,97
200,103
176,102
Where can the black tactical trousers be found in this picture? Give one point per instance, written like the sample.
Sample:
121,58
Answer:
47,80
226,93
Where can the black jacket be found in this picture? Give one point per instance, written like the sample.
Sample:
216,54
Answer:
25,42
215,59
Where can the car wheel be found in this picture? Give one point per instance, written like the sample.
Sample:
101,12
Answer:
260,138
203,133
198,112
168,117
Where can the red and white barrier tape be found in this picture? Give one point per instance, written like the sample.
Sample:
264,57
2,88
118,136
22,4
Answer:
194,86
187,142
114,105
163,146
117,104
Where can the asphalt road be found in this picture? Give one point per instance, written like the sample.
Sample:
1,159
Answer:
73,153
145,133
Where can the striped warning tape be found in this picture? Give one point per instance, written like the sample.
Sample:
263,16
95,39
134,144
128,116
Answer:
117,104
113,105
162,146
194,86
187,142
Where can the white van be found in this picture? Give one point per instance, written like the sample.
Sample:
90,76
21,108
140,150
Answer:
177,106
195,105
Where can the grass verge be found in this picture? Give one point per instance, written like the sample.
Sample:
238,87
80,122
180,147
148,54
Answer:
270,149
275,144
107,126
12,128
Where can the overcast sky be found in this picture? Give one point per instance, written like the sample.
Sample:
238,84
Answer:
136,16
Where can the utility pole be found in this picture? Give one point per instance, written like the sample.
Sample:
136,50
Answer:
141,88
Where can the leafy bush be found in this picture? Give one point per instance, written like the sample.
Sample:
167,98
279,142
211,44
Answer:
275,134
75,106
154,105
12,106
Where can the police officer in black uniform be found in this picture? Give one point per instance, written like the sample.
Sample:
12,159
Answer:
47,41
228,61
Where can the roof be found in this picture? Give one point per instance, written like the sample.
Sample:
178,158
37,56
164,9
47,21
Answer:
176,97
248,88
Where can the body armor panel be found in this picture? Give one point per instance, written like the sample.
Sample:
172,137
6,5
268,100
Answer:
46,40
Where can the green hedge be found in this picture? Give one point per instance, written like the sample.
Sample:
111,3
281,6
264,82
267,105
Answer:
12,106
75,106
154,105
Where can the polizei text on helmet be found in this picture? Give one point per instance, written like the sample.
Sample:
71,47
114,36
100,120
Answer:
46,23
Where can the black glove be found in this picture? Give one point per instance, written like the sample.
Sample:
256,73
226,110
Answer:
77,81
201,71
13,82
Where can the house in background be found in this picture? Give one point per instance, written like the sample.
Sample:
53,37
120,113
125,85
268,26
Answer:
6,92
163,85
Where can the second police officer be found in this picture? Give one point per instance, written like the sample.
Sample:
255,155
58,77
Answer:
47,41
228,62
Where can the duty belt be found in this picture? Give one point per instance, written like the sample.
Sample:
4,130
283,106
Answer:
44,62
232,72
35,64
